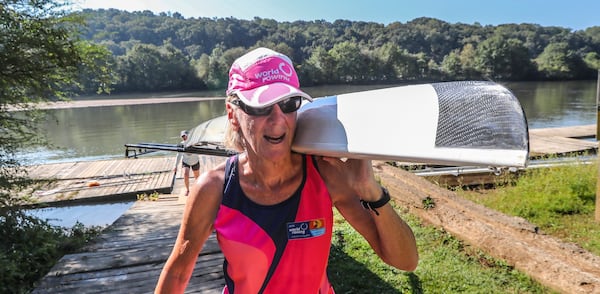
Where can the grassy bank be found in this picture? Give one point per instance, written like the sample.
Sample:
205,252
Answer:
446,265
559,200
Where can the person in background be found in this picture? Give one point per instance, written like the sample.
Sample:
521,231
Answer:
272,208
188,161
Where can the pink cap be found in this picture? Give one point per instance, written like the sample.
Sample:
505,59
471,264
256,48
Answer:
263,77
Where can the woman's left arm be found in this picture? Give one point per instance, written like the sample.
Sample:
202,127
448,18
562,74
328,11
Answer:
390,237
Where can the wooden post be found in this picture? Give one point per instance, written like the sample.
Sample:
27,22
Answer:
598,107
597,213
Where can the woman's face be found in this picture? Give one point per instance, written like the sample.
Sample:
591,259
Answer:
269,136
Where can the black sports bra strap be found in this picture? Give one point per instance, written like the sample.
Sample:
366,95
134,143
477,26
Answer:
230,170
314,161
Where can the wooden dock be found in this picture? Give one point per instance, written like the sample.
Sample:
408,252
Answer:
563,140
129,255
105,180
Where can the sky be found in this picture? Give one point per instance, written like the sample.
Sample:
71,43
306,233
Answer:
572,14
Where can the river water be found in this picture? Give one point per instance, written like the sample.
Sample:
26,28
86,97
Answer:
101,132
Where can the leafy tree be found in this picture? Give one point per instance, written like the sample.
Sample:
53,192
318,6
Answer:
504,52
564,61
503,58
319,68
452,66
592,60
348,61
467,61
386,59
156,68
218,66
42,59
460,64
556,61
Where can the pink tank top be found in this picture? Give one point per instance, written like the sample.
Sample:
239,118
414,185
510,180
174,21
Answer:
282,248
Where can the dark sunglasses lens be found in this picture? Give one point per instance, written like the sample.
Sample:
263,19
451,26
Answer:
257,111
286,106
290,105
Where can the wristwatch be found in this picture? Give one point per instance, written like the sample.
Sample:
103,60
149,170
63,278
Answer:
373,205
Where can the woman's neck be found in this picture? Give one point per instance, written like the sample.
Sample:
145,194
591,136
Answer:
270,182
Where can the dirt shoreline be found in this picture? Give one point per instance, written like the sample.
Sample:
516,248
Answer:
562,266
118,102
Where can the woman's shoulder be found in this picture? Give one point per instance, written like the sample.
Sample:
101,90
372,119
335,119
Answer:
210,183
215,175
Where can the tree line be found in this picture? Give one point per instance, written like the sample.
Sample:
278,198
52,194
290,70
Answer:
165,52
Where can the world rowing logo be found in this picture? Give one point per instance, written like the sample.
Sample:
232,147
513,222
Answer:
282,68
282,72
306,229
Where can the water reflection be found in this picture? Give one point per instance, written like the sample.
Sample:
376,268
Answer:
90,215
557,104
100,132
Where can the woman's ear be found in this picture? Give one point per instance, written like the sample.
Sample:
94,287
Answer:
233,120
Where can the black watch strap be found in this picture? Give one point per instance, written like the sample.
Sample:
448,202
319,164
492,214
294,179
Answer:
385,198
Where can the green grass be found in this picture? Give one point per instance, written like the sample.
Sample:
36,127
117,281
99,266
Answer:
446,265
559,200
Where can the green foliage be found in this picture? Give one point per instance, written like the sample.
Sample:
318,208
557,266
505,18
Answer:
156,68
154,196
343,51
558,61
446,265
42,59
30,247
592,60
504,58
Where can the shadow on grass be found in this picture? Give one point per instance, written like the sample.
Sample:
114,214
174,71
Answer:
350,276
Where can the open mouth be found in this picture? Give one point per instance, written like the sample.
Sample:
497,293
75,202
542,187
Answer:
274,140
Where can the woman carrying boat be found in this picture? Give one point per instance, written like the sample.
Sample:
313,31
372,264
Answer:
271,208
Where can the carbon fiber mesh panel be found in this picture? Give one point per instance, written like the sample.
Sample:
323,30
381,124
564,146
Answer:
481,115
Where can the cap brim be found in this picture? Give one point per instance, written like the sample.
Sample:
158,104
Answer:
270,94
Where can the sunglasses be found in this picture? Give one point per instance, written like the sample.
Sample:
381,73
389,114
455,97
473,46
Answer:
288,105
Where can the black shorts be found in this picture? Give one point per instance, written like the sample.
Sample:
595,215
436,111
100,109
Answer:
194,167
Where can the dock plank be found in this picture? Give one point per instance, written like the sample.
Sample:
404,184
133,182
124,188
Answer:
128,257
567,132
556,145
114,179
562,140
